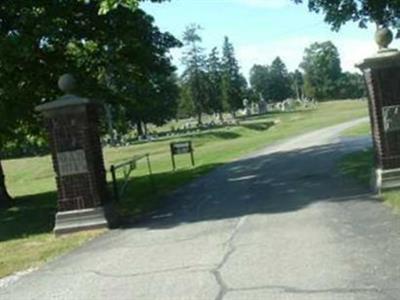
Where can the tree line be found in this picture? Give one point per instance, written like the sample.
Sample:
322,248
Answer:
320,77
213,83
210,83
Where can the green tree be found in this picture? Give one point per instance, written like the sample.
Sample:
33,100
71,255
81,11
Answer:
297,80
252,95
108,5
186,107
142,75
260,81
153,101
338,12
272,82
351,86
279,81
39,40
195,76
321,65
215,75
233,83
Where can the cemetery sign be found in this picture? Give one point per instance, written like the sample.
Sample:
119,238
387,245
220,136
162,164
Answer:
178,148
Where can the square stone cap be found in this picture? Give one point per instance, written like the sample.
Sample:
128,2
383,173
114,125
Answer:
63,102
387,58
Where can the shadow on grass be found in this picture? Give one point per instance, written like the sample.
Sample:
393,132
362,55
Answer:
198,133
358,165
144,194
259,126
33,214
219,135
185,133
213,131
224,135
275,114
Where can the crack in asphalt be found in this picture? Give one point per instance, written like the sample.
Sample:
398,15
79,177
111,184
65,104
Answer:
109,275
224,288
231,249
294,290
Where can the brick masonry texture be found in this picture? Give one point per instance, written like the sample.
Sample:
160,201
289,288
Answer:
79,131
384,90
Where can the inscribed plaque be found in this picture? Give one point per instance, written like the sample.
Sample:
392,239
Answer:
391,118
72,163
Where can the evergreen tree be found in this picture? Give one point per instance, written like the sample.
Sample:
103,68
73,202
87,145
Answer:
195,76
260,81
279,81
272,82
214,72
297,83
233,83
186,107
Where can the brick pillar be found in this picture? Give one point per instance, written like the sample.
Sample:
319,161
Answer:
382,76
72,124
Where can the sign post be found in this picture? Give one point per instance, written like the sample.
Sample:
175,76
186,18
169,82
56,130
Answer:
178,148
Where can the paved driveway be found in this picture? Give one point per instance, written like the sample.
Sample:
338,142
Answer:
280,224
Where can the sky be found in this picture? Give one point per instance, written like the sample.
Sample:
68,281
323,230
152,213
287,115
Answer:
261,30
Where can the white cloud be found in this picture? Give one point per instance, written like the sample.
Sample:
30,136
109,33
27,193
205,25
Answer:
265,3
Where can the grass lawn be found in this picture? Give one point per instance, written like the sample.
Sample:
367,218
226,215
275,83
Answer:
25,235
32,251
360,165
359,130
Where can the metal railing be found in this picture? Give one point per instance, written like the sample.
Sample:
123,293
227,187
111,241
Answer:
127,169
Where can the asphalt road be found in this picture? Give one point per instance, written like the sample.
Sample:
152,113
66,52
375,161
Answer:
280,224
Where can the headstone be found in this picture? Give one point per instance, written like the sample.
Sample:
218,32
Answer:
247,107
72,124
290,104
262,105
382,76
255,109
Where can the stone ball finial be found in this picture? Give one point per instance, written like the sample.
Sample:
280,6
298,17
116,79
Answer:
67,83
383,37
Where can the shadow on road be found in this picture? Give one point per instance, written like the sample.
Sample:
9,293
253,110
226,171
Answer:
281,182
